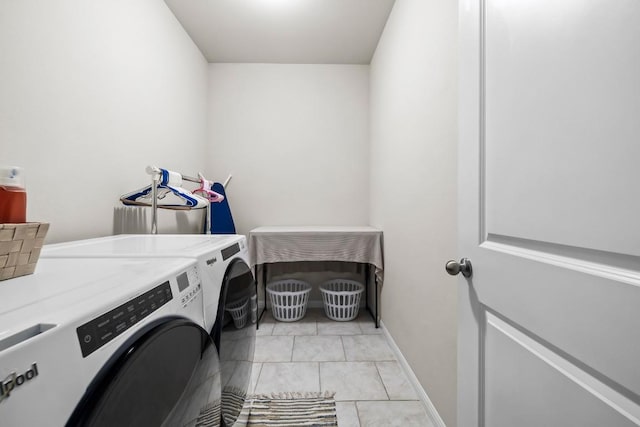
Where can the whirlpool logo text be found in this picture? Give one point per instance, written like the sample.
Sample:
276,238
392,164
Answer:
13,381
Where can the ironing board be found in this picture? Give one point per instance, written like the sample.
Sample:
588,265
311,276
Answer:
221,219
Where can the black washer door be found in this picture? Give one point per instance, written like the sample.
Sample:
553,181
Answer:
168,375
235,336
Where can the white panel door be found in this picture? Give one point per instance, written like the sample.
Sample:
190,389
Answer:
550,213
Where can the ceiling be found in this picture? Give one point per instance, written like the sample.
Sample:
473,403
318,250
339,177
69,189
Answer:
284,31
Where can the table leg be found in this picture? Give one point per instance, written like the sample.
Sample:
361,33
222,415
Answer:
366,286
255,279
264,286
375,297
375,280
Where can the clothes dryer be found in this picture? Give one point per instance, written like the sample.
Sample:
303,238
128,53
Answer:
229,290
105,342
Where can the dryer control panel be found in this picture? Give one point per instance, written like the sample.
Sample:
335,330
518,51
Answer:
230,251
99,331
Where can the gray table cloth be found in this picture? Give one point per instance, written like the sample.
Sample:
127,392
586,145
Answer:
362,244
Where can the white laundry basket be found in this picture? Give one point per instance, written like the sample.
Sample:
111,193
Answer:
341,299
288,299
239,311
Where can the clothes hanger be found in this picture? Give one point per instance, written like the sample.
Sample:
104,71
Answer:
170,194
206,192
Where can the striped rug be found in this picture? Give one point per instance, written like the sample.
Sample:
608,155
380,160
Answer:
233,400
293,410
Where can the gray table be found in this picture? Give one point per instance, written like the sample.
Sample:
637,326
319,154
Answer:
359,244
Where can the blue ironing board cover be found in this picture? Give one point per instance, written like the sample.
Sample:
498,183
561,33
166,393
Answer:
221,218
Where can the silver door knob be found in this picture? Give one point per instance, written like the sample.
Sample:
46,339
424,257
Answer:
464,267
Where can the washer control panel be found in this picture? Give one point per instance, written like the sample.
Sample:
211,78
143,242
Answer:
99,331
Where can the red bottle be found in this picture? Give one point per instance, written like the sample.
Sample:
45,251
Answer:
13,196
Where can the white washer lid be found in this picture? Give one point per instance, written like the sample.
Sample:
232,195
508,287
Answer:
80,285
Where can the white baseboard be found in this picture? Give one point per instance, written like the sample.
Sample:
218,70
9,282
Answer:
432,413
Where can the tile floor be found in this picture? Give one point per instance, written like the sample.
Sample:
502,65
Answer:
352,359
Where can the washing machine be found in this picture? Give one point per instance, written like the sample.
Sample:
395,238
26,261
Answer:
229,291
107,342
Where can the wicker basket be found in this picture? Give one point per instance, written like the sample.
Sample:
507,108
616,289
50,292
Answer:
341,299
288,299
20,246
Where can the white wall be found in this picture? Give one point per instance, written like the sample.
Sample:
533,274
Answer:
91,92
295,138
413,187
